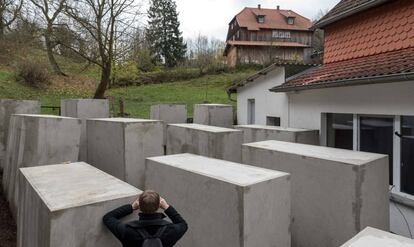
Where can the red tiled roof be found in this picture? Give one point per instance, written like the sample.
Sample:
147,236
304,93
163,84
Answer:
275,19
386,28
265,43
346,8
394,63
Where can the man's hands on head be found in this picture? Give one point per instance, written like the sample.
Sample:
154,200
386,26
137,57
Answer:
163,204
135,204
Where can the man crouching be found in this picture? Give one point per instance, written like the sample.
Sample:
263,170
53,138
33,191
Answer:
150,229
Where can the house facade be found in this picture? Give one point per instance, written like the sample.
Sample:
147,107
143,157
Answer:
261,36
362,97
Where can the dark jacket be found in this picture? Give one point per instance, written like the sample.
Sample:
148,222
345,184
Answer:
129,236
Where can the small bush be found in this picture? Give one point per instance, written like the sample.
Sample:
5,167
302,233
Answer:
32,73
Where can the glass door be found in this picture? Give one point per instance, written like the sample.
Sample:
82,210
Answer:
376,136
407,155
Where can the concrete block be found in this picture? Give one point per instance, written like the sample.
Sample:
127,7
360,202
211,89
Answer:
214,114
7,108
256,133
36,140
83,109
169,114
377,238
335,193
63,205
119,146
224,203
210,141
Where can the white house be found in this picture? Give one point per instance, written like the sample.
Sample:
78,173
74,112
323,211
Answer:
361,98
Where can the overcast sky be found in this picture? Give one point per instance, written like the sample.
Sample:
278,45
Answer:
211,17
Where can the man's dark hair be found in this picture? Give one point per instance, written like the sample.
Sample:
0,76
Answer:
149,202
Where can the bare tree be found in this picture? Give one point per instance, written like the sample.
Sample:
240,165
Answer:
50,10
104,23
204,52
9,11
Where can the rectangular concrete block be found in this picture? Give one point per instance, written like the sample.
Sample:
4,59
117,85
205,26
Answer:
63,205
225,203
377,238
210,141
335,193
7,108
83,109
214,114
119,146
36,140
256,133
169,114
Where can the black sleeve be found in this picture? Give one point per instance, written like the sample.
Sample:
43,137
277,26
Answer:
179,225
113,222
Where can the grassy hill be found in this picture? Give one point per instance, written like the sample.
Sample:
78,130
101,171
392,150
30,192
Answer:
138,99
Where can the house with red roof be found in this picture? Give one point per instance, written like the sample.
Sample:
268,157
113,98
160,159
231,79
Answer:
261,36
362,96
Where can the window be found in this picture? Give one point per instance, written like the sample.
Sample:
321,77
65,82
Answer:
238,34
291,20
261,19
407,155
376,135
273,121
281,34
251,111
340,130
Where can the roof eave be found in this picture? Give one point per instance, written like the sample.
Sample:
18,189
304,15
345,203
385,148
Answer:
355,10
349,82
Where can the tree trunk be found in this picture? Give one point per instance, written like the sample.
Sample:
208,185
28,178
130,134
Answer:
51,57
105,80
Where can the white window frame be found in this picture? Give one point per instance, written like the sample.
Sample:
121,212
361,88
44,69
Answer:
280,34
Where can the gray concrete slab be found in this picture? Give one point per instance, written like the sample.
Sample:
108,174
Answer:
256,133
7,108
36,140
214,114
83,109
63,205
378,238
210,141
335,193
119,146
225,203
169,114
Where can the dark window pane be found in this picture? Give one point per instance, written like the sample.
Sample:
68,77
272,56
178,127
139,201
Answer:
407,155
273,121
340,131
376,136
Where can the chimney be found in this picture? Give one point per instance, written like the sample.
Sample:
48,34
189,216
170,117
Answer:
278,7
259,6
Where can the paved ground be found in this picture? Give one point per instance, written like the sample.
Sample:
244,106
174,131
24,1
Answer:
7,224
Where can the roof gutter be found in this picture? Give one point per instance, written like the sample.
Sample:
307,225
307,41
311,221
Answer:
349,12
350,82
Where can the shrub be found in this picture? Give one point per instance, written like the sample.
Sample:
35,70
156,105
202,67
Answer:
32,73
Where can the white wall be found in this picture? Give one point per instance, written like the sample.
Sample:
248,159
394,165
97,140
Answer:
382,99
266,103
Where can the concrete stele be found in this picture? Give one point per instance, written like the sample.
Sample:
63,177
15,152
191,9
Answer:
119,146
214,114
63,205
36,140
210,141
344,189
169,114
378,238
7,108
256,133
83,109
225,203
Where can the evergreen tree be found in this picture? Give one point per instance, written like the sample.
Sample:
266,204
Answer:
163,33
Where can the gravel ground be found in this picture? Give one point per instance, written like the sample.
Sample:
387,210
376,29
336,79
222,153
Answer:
7,224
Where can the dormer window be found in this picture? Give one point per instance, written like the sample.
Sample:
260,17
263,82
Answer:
261,18
291,20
